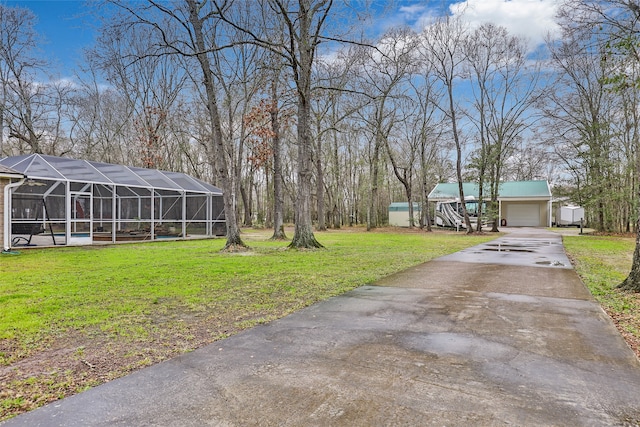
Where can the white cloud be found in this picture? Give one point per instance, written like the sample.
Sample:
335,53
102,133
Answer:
411,11
532,19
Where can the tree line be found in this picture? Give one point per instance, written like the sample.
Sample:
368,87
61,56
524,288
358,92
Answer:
299,118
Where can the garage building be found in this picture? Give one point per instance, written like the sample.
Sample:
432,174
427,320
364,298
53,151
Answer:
520,203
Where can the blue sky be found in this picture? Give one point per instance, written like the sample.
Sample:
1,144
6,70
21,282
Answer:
66,25
63,24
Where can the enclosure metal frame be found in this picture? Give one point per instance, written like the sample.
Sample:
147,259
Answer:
147,185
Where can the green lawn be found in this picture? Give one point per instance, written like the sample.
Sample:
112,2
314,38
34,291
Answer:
122,288
603,262
74,317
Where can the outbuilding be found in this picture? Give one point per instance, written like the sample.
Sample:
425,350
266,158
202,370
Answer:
520,203
399,214
51,201
569,215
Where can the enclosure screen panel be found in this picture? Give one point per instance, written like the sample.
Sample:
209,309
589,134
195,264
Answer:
184,181
76,170
119,174
155,178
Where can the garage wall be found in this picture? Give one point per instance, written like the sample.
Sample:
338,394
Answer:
525,214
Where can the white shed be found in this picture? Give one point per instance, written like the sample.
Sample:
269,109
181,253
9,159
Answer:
399,214
569,215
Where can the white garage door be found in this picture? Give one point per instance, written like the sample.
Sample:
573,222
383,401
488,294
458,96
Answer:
523,215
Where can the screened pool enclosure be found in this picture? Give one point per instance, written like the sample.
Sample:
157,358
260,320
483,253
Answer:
65,201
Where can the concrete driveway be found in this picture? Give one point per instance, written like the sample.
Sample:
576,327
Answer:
503,333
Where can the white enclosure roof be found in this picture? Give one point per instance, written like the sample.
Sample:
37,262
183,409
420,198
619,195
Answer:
38,166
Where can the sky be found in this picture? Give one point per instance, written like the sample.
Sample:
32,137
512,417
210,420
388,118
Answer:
532,19
66,25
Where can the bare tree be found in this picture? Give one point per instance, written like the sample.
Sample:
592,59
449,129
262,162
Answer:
384,71
100,120
200,48
331,105
618,23
579,117
304,30
31,106
443,44
278,184
504,89
243,74
267,122
424,133
304,22
189,30
149,82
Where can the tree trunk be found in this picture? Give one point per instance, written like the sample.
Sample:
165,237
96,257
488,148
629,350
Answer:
426,214
632,282
278,196
465,214
495,206
337,217
303,233
303,237
495,189
425,189
372,214
322,226
456,138
234,242
246,203
480,201
411,217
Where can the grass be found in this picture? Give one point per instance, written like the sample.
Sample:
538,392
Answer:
74,317
603,262
123,288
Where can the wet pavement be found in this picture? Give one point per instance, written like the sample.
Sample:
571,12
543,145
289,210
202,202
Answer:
503,333
520,247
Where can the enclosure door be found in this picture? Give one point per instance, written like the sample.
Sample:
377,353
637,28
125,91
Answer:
81,219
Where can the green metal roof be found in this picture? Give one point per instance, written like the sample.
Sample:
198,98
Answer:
402,207
507,190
